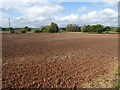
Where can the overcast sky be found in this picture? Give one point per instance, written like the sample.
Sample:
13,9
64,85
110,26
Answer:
35,13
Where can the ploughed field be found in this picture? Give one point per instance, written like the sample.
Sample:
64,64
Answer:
65,60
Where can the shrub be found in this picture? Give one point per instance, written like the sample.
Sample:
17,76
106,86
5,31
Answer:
45,28
23,31
106,31
37,31
29,29
54,27
117,29
107,28
26,28
113,29
93,28
99,28
10,28
73,28
12,31
86,28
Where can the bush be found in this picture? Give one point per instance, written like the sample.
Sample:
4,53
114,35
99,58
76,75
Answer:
4,29
86,28
113,29
12,31
29,29
37,31
26,28
23,31
93,28
107,29
73,28
45,28
117,29
99,28
54,27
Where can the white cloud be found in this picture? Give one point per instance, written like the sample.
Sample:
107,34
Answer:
106,13
103,16
32,12
44,13
35,13
106,17
47,9
70,17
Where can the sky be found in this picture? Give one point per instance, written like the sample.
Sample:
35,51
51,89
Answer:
37,13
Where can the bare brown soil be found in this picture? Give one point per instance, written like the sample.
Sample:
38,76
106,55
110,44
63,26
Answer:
65,60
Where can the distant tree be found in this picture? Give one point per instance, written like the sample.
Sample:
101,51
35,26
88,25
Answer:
38,31
23,31
29,29
113,29
79,29
72,28
99,28
63,28
4,29
76,28
118,29
93,28
83,29
54,27
26,28
43,28
11,28
86,28
107,29
69,27
8,28
12,31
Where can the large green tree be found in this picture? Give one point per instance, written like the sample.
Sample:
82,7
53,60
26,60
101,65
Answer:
86,28
26,28
54,27
107,29
73,28
93,28
99,28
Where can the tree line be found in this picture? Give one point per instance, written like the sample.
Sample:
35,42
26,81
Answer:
53,28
